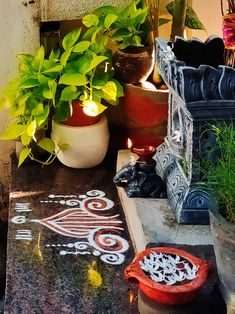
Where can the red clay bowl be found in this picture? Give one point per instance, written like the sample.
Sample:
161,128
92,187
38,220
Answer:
167,294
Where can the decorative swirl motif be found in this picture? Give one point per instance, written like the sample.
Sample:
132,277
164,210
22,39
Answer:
80,245
169,170
114,259
97,204
197,199
227,82
174,181
210,80
179,194
18,220
106,242
88,221
95,193
72,202
161,149
191,83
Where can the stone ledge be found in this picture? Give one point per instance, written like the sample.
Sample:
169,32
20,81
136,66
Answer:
152,220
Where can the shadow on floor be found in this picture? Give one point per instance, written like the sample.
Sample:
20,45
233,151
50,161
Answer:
3,242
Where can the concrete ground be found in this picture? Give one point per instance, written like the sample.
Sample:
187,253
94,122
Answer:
152,220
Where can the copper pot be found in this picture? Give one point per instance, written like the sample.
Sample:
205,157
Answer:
133,64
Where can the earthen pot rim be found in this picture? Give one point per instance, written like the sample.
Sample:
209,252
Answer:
134,271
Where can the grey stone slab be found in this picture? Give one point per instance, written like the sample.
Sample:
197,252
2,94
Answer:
157,222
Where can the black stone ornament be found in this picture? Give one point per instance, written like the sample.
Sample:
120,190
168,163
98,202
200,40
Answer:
140,180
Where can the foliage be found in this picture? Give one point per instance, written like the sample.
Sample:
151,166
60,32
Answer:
47,86
219,176
127,26
29,99
85,74
182,14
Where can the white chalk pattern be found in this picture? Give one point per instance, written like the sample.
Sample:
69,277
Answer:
168,269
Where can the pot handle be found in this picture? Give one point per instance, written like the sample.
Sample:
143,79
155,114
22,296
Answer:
132,274
203,264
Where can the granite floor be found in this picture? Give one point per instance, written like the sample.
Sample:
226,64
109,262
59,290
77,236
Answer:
68,243
3,236
3,241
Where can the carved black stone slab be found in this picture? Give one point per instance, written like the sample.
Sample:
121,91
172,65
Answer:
195,52
198,96
203,82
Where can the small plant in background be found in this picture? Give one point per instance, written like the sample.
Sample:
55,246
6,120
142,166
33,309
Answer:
126,26
218,170
182,14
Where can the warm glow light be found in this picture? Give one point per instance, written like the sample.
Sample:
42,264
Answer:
131,296
129,143
91,108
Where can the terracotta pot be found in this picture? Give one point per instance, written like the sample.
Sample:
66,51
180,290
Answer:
146,113
83,146
133,64
163,293
78,117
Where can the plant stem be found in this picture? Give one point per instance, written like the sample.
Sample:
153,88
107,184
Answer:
49,160
179,15
153,6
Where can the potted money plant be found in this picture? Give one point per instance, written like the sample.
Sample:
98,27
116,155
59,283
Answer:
69,86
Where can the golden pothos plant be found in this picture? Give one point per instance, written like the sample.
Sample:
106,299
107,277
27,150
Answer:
46,86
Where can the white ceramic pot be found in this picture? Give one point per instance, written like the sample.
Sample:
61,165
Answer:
86,146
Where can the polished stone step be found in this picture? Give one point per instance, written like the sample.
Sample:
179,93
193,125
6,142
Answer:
68,243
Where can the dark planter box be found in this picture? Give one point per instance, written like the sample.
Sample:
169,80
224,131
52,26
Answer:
198,96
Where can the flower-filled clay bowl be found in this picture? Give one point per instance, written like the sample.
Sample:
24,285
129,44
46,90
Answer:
167,275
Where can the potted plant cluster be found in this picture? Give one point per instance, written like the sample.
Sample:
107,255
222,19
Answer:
133,31
76,79
146,105
218,173
145,113
129,30
68,86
